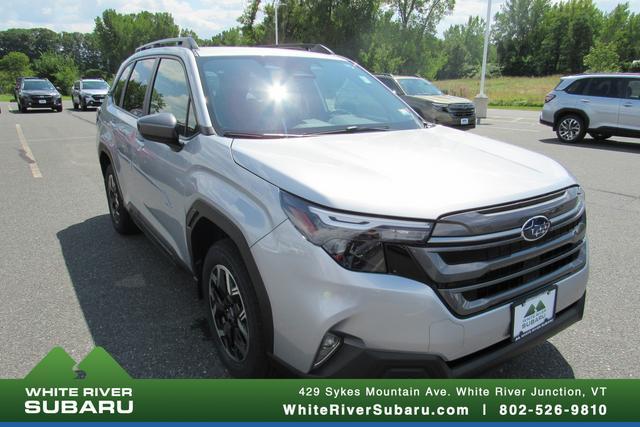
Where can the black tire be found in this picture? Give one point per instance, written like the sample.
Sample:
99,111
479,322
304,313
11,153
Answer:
120,217
59,108
243,354
599,136
571,129
83,104
22,108
76,106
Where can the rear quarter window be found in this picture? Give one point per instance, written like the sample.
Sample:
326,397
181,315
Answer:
116,94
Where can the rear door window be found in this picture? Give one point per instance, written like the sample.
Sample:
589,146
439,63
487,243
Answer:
119,86
136,88
602,87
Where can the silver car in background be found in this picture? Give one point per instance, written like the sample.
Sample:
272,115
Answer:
602,105
87,93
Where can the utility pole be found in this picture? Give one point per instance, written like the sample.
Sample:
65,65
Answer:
276,3
481,100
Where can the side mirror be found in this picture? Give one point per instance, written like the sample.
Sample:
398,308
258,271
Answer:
160,128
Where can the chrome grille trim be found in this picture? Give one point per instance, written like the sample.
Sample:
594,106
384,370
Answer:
478,271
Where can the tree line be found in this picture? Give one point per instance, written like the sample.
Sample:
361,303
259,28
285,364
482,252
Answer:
529,38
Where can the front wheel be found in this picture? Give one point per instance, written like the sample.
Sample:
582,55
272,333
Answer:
571,128
234,314
120,217
599,136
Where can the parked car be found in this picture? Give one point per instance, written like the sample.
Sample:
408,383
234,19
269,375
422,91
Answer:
88,93
329,228
429,101
38,93
602,105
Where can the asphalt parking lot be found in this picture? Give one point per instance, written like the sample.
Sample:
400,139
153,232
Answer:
67,279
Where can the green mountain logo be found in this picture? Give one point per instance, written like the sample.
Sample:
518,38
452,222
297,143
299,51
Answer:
531,311
540,306
58,367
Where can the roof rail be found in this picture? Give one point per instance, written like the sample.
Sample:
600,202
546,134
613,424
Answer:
309,47
187,42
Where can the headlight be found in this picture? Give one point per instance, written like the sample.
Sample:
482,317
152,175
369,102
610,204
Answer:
355,242
440,107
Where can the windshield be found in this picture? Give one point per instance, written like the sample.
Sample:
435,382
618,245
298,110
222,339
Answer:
95,85
37,85
416,86
289,96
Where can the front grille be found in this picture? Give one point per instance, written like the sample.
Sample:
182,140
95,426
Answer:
39,97
462,110
475,271
98,97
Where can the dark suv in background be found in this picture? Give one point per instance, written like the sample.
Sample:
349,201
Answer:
429,101
37,93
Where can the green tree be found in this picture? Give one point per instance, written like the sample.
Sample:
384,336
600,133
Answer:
119,35
463,47
12,66
33,42
60,69
518,33
602,57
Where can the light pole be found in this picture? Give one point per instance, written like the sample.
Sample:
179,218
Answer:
481,100
276,3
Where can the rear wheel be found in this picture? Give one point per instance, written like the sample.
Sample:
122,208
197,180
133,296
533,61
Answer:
120,217
234,315
571,128
599,136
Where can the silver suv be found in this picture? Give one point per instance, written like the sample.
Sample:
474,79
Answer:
88,93
602,105
329,229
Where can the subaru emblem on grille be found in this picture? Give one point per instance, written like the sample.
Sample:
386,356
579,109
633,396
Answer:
535,228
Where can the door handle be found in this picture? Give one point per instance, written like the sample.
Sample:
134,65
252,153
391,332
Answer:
586,101
628,104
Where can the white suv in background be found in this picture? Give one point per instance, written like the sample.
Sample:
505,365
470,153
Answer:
602,105
329,228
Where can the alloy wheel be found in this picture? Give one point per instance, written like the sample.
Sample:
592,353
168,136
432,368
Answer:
228,312
114,198
569,129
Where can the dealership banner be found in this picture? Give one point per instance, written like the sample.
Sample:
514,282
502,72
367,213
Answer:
98,389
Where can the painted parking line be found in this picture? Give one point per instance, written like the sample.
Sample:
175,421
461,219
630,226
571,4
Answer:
27,154
490,126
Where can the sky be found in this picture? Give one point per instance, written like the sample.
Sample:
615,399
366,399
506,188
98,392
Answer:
205,17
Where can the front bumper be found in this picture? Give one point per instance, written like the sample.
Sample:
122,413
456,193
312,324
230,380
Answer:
355,361
387,315
35,103
451,120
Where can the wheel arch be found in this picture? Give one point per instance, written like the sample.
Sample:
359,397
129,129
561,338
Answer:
564,111
105,158
205,226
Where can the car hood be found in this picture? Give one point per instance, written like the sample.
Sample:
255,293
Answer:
95,91
443,99
421,173
40,92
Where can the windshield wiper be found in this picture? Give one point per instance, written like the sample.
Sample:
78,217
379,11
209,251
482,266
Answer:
351,129
260,135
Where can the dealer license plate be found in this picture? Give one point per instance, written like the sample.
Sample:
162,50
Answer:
464,121
533,314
